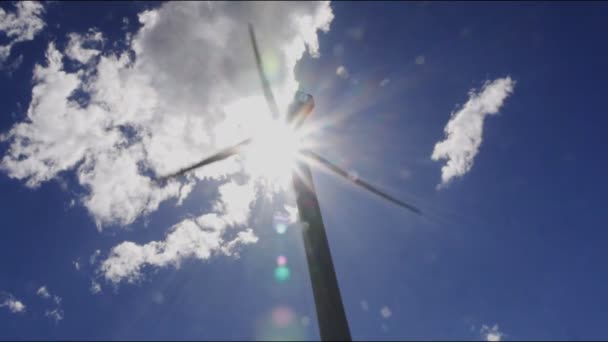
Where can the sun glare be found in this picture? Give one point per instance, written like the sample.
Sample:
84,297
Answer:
272,154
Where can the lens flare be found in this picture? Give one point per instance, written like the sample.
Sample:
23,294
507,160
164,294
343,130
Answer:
271,65
282,316
281,274
281,260
280,324
272,153
281,222
281,228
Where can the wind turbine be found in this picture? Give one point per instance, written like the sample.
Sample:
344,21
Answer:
333,325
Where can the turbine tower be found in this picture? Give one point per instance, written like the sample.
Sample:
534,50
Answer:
331,317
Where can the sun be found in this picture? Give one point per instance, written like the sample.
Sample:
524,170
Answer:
273,152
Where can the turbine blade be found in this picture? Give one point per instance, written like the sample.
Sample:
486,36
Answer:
272,104
221,155
326,163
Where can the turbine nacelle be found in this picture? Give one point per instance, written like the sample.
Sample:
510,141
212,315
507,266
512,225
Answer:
298,111
333,324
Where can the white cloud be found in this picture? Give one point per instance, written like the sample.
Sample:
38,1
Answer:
20,26
76,265
292,213
191,88
244,237
55,314
491,333
13,305
197,238
420,60
43,292
12,66
464,130
94,256
342,71
385,82
386,312
76,49
95,287
167,107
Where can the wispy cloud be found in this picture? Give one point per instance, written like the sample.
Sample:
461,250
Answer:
463,133
342,71
94,256
386,312
491,333
14,305
95,287
43,292
356,32
364,305
56,314
20,26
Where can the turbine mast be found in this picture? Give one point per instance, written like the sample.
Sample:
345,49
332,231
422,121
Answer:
333,325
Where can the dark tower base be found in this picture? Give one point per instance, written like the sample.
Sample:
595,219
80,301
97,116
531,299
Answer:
333,325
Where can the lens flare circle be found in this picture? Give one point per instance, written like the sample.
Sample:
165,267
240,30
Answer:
282,316
281,260
282,273
281,222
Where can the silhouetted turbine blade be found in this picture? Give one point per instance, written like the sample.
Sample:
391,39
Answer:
359,182
221,155
265,84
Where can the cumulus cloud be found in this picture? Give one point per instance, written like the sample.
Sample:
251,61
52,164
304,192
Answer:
463,133
20,26
188,87
171,104
491,333
13,305
77,45
197,238
342,71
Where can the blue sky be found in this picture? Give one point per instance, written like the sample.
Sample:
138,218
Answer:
511,246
